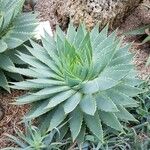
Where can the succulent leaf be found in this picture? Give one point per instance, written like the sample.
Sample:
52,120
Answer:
76,119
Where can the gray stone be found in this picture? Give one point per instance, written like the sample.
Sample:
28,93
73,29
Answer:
92,11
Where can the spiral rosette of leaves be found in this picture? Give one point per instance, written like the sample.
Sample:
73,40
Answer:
33,139
85,78
15,29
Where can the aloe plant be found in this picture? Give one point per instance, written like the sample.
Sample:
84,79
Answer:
141,31
84,77
33,139
15,29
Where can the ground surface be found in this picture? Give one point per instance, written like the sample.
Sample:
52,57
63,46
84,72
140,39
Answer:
13,115
139,17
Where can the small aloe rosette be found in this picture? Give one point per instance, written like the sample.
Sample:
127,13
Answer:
33,139
84,78
15,29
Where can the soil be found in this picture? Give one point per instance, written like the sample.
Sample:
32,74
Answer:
139,17
12,117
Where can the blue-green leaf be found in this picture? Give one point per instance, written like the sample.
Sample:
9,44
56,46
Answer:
76,118
110,120
104,103
94,124
88,104
72,102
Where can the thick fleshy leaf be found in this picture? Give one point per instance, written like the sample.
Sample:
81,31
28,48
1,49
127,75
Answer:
76,118
34,62
37,109
60,47
57,118
127,89
71,31
47,73
79,36
104,103
45,121
133,81
59,98
81,137
110,120
85,42
52,52
3,81
6,63
94,33
48,82
60,33
107,41
116,72
26,85
30,98
72,102
94,124
3,46
88,104
20,33
63,130
50,40
51,90
36,84
123,51
126,59
26,72
121,99
98,84
43,57
104,56
98,37
124,115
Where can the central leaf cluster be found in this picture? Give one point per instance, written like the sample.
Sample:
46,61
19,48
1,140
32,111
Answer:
76,58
